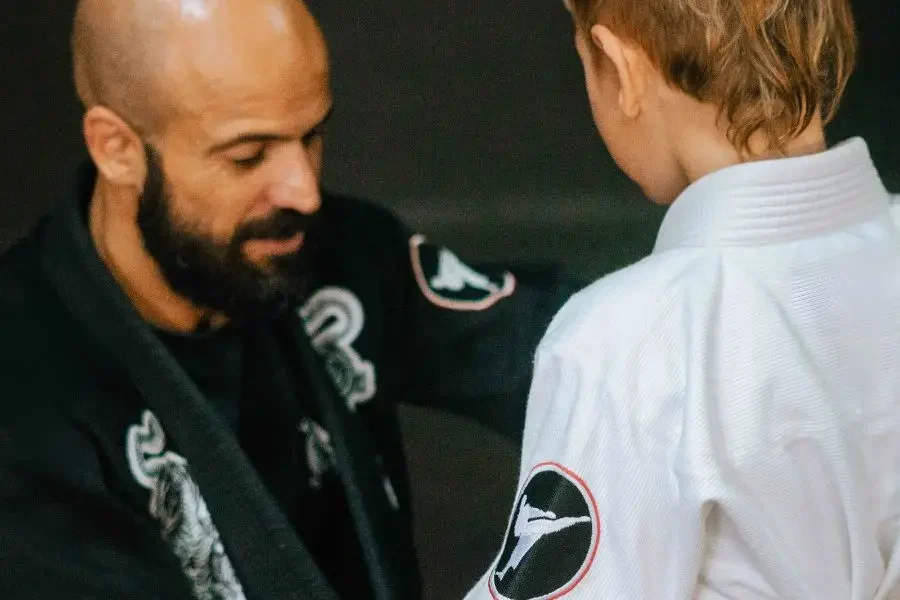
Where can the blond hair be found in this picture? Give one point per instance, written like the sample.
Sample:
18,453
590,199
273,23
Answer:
770,65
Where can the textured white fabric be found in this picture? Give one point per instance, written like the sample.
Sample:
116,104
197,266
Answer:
733,401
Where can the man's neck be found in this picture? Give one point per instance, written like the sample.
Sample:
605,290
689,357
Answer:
112,220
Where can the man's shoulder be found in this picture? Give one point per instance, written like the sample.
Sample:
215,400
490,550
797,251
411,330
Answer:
18,281
359,217
895,208
24,363
362,235
31,315
37,363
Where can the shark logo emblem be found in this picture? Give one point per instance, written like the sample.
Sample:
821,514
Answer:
334,318
184,519
552,540
319,452
448,282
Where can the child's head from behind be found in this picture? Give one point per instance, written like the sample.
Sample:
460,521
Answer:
681,88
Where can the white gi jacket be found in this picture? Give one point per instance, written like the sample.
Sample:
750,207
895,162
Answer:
722,419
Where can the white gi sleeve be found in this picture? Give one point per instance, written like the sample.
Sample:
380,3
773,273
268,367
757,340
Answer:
601,510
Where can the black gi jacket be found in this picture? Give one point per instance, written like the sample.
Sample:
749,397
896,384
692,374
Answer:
105,442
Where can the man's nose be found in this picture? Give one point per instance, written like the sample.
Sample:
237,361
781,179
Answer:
297,185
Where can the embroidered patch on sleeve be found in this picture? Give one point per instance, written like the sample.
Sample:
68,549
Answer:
448,282
552,539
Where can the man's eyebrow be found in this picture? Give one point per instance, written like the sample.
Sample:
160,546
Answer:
250,138
247,138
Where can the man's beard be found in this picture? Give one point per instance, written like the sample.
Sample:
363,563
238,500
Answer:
218,276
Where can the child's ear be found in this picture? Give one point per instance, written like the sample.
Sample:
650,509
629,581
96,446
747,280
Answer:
629,65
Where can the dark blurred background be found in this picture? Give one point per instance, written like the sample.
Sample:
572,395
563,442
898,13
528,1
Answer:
469,119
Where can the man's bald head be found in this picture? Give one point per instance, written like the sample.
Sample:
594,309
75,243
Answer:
135,57
204,119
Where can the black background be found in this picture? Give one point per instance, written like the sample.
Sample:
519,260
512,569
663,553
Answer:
468,117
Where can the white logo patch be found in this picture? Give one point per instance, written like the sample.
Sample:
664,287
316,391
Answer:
448,282
175,502
334,318
552,539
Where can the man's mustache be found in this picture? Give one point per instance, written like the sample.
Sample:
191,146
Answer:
282,225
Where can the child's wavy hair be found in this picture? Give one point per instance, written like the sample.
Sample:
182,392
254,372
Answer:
770,65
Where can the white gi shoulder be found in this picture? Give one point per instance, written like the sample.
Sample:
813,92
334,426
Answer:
618,347
620,310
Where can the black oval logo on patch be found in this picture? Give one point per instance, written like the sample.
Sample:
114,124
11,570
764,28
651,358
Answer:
552,538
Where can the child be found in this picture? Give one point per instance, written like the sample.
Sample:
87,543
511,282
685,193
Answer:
722,419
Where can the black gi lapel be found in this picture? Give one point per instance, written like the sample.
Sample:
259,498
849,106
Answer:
355,454
271,562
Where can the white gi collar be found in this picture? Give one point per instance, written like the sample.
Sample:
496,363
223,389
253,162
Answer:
775,201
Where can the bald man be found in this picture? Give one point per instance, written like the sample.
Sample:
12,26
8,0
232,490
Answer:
203,352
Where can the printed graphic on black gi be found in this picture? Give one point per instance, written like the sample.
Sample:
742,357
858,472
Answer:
334,318
175,502
450,283
552,538
319,452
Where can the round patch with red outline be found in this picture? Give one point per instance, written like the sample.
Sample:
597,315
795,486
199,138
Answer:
449,283
552,538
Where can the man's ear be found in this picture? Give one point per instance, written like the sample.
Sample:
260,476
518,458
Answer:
115,148
629,66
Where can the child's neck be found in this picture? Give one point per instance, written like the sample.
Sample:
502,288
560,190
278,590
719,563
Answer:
810,141
703,146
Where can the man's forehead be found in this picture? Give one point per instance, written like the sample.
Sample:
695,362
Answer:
203,73
218,113
221,128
